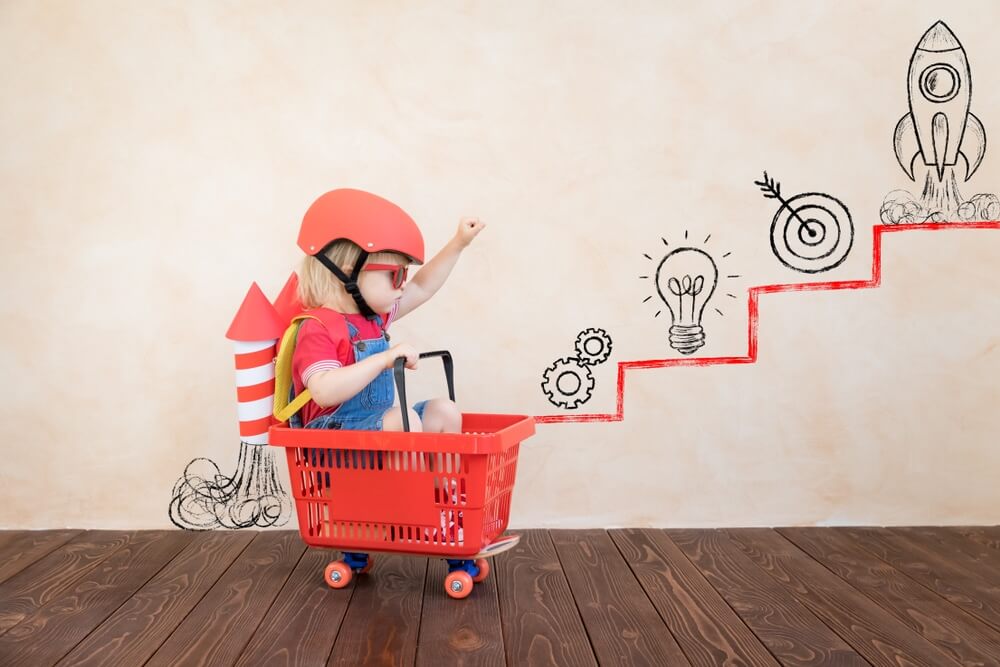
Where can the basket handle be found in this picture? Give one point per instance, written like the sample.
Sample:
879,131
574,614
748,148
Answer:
398,368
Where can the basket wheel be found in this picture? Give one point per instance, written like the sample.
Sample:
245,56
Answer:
458,584
368,566
337,574
484,570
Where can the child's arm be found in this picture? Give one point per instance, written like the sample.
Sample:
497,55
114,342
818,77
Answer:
431,277
337,385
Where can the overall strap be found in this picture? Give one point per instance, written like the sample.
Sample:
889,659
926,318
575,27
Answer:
354,334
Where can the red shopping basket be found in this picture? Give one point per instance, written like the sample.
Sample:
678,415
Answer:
433,494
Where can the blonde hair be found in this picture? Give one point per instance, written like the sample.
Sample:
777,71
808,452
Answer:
317,284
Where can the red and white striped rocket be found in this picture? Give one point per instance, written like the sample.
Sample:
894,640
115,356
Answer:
255,332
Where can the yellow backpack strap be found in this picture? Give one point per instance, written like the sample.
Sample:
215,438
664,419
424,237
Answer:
283,409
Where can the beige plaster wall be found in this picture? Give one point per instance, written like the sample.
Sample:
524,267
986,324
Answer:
157,157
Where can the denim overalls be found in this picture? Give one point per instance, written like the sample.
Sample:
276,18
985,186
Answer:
364,411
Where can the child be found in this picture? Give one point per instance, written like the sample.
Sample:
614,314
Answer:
358,250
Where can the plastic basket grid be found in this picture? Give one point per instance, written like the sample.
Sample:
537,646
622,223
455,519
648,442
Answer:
450,503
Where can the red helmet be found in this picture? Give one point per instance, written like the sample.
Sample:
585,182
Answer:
373,223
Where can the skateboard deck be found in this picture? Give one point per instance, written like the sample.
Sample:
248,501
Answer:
502,543
498,546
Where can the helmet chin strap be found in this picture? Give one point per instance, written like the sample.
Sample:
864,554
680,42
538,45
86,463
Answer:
350,282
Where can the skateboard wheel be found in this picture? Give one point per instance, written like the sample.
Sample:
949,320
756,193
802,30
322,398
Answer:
458,584
368,565
484,570
337,574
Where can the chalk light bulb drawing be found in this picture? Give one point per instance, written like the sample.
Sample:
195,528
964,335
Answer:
686,279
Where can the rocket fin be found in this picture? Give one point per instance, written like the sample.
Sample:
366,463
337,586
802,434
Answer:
904,141
974,140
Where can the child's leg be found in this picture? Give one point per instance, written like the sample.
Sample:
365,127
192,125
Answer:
392,420
442,416
438,415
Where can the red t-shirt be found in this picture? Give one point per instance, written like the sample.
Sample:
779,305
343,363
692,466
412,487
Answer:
323,348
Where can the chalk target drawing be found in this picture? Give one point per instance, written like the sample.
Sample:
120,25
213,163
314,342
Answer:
569,383
811,232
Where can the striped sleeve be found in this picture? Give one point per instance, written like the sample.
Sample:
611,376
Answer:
319,366
316,351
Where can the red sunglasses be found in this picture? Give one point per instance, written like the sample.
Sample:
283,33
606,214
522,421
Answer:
398,272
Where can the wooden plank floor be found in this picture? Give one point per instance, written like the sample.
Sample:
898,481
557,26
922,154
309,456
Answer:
751,596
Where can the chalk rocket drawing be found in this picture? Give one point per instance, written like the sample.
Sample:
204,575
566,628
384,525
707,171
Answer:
939,125
811,232
685,280
568,382
936,132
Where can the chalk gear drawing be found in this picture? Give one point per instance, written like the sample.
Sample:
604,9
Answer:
593,346
568,382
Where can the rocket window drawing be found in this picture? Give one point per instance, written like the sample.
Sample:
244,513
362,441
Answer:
940,83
